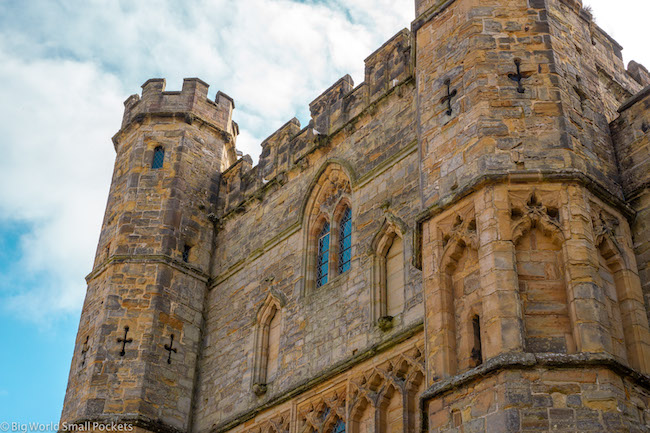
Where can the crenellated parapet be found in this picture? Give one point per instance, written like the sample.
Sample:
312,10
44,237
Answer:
276,150
336,109
387,67
192,102
639,73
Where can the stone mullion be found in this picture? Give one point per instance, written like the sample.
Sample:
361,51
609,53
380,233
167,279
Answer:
585,297
293,417
501,322
406,416
377,428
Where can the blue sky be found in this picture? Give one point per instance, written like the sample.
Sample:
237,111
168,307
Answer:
65,69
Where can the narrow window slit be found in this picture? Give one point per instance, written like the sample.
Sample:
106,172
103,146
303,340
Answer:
186,253
158,157
477,353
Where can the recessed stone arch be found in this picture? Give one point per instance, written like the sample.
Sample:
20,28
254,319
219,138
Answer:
362,416
541,273
391,410
267,342
326,177
388,280
461,283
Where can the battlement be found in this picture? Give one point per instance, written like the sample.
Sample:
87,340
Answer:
639,73
192,102
386,68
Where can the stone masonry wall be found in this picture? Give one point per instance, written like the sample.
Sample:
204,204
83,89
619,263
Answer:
262,248
380,394
631,134
498,121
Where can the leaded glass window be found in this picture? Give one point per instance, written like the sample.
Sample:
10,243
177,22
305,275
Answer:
322,271
158,157
345,241
339,427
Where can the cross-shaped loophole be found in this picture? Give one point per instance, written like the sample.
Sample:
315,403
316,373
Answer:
124,341
169,347
447,98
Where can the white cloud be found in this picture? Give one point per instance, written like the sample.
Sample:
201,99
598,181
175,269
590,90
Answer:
67,67
54,174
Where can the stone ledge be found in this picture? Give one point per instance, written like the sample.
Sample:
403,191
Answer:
150,258
509,361
529,176
634,99
186,116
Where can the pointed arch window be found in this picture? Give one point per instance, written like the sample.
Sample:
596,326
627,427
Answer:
158,157
322,262
345,241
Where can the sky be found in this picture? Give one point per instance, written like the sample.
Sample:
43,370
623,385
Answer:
66,67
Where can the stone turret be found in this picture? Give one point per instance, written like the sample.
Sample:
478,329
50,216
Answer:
139,335
527,248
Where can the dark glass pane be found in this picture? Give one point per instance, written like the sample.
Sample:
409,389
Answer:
322,265
158,157
345,241
339,427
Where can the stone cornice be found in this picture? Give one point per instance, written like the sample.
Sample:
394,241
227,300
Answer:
188,117
517,361
634,99
149,258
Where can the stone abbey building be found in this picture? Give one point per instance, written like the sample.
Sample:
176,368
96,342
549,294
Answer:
461,243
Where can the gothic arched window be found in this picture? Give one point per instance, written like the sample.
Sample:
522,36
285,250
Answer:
345,241
328,227
158,157
322,261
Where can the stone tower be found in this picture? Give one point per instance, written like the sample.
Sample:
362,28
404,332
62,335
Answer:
460,243
143,311
528,256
